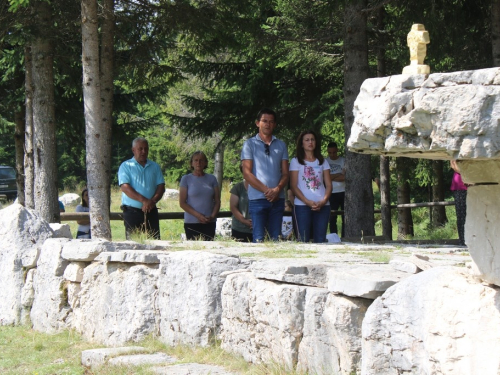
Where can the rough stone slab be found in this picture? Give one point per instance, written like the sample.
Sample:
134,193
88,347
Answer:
132,256
74,271
97,357
192,369
440,321
421,261
61,230
262,320
445,115
50,312
85,250
189,296
117,303
365,280
22,233
27,296
331,342
404,266
132,245
483,236
291,271
142,359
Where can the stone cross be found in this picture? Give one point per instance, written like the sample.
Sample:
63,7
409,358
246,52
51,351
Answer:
417,39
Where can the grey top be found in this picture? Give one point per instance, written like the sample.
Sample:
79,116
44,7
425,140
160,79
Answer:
200,194
267,168
240,191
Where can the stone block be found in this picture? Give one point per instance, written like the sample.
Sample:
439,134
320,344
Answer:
404,266
116,303
365,280
61,230
132,256
440,321
189,296
74,271
291,271
85,250
22,233
97,357
70,199
440,116
51,312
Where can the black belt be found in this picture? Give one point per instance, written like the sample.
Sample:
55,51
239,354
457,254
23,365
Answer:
130,208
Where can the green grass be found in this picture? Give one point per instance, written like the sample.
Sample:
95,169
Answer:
25,351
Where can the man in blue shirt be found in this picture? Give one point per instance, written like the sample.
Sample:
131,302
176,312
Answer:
265,168
142,184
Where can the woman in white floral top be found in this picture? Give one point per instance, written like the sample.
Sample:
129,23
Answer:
311,185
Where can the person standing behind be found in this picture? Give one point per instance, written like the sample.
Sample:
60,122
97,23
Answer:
459,190
265,167
83,230
199,197
312,187
241,225
142,184
337,176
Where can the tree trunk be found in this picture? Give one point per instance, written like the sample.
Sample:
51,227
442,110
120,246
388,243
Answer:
359,195
95,131
107,86
44,123
495,31
219,164
405,220
385,197
19,141
29,164
385,177
438,212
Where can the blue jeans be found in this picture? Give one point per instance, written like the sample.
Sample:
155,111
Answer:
304,217
266,216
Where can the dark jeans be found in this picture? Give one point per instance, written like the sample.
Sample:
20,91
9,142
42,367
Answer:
134,220
266,216
83,235
241,236
311,222
461,211
336,202
198,231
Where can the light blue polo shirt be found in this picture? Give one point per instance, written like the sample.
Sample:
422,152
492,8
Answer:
267,168
144,180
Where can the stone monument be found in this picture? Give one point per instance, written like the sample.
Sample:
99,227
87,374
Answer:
417,39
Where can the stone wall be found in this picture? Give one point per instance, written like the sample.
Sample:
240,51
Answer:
321,317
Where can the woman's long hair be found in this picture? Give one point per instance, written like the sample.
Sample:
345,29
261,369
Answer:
84,204
299,149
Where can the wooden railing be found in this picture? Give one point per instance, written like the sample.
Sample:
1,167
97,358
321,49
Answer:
72,216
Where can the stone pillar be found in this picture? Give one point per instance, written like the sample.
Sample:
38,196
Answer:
483,215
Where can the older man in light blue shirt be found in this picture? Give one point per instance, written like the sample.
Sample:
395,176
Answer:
265,168
142,184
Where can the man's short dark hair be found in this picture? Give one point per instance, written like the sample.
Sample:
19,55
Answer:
332,145
267,111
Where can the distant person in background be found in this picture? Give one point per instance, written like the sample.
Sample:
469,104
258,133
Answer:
199,197
142,184
312,187
61,207
337,176
241,226
459,190
83,230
